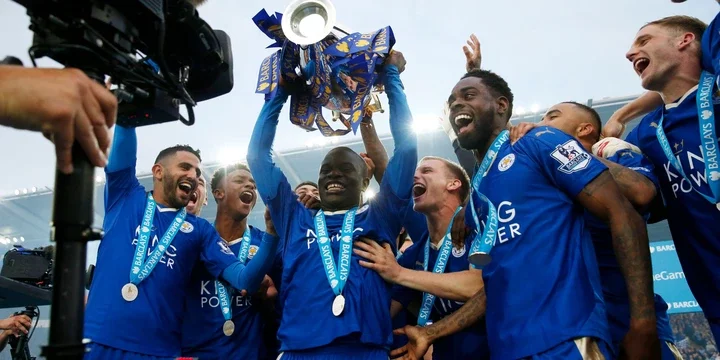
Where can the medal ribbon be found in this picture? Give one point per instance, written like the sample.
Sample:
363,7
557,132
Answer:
708,138
484,242
337,277
140,268
440,263
221,289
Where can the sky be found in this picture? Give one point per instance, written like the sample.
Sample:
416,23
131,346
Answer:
548,51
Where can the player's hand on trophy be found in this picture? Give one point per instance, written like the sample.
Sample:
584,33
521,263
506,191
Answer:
64,104
17,324
396,58
609,146
519,130
269,227
473,56
416,347
459,230
378,257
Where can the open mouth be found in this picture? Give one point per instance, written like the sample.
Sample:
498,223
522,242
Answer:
247,197
462,120
334,188
193,197
186,186
640,64
418,190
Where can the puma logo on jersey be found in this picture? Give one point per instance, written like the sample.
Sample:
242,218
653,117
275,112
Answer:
546,131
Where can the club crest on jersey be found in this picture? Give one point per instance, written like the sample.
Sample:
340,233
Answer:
458,252
506,162
186,227
571,157
224,248
252,251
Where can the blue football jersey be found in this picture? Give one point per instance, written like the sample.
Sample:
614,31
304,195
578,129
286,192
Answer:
542,286
306,296
614,287
152,323
470,343
202,334
694,222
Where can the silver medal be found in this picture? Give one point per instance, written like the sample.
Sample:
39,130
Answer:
228,328
129,292
338,305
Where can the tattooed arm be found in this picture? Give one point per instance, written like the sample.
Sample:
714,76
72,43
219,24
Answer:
603,198
420,338
636,187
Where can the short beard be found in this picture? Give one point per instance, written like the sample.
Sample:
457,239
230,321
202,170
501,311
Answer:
170,189
484,128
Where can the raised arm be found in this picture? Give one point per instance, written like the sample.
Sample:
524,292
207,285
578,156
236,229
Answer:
634,181
120,170
374,148
123,153
274,188
644,104
401,167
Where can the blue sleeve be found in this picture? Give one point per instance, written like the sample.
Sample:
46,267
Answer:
561,158
710,44
415,224
395,192
638,163
248,277
272,184
120,170
402,294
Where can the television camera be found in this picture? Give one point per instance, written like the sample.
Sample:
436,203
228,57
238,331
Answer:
159,54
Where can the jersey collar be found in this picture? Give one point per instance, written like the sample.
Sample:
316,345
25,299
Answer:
677,103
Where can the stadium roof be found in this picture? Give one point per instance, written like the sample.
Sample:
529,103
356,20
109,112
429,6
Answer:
25,218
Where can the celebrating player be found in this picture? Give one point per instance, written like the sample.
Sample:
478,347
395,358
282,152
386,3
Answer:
150,247
219,322
545,253
681,141
634,175
431,270
338,308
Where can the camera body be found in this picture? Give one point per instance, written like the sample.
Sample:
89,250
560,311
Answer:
33,267
159,53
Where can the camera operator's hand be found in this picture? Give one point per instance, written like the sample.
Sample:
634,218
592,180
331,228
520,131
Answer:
64,104
17,324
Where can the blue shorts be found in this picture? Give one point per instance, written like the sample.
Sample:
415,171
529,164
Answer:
338,352
102,352
585,348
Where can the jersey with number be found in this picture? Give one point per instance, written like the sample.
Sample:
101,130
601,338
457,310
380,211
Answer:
694,222
470,343
152,323
542,285
613,283
202,334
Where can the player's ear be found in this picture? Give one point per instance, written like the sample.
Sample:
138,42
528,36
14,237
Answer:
454,185
157,171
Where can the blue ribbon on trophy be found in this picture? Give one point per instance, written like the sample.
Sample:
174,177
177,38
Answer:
337,73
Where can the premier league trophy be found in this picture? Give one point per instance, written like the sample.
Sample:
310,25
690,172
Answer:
325,65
